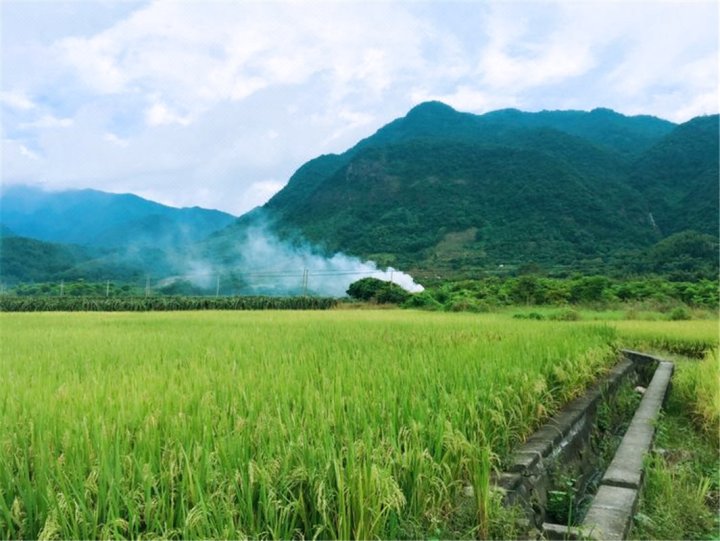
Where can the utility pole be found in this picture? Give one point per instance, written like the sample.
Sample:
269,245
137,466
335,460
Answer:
62,287
305,282
217,286
107,289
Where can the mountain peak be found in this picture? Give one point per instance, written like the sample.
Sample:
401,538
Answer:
431,108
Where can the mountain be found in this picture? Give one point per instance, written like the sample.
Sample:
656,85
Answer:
438,193
24,260
679,178
96,236
30,260
100,219
444,192
602,127
615,136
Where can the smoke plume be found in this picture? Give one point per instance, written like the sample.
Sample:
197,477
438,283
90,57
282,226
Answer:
269,265
257,262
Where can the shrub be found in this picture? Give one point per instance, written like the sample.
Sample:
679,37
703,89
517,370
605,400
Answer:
530,315
679,313
464,304
423,300
566,314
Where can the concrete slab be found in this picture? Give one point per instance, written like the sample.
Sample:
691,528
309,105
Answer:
626,468
522,461
560,533
639,357
610,514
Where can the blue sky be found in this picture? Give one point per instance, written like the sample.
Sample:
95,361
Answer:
217,103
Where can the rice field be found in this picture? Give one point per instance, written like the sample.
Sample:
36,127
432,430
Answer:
689,338
272,424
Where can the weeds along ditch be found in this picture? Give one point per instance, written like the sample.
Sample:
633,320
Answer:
340,424
681,492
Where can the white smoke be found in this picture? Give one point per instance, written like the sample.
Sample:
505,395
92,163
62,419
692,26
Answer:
272,266
197,272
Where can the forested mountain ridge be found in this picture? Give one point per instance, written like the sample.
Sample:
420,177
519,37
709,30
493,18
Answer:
436,121
679,177
443,192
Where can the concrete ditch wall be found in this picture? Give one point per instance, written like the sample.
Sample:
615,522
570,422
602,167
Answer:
563,445
610,515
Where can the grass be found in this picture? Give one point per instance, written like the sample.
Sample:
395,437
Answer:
622,313
273,425
681,494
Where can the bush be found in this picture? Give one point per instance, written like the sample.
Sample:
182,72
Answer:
465,304
530,315
423,300
372,289
679,313
567,314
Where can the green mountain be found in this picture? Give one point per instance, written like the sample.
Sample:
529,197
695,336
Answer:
603,127
96,236
94,218
612,135
26,260
440,192
679,175
29,260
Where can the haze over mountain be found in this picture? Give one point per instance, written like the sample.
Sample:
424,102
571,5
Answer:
95,235
438,192
101,219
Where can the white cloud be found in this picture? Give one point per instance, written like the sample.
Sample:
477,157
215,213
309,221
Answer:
351,121
115,140
25,151
16,100
48,121
541,64
198,55
94,59
466,98
159,114
19,163
203,102
259,192
529,50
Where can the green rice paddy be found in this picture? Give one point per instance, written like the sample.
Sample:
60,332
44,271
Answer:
339,424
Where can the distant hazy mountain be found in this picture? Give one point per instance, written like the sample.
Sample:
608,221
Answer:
30,260
94,218
442,191
95,235
24,260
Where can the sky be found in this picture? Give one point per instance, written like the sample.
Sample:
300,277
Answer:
217,103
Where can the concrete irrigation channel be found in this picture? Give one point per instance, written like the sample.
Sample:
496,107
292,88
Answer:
562,481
